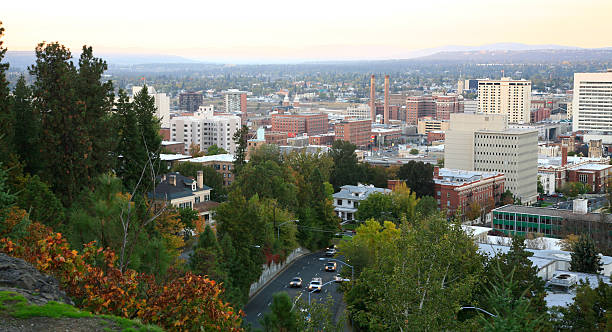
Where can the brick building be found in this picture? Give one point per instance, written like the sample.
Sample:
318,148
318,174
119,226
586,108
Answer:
173,147
445,105
357,132
459,190
324,139
418,107
436,135
222,163
540,114
297,124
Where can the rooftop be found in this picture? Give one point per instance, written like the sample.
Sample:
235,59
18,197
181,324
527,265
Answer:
183,187
359,191
226,157
566,214
458,177
172,157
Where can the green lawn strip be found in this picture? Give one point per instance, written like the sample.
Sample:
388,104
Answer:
17,306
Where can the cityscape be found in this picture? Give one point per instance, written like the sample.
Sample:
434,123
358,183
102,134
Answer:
306,168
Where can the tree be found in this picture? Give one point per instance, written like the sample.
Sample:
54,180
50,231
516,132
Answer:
43,206
378,206
426,206
206,257
507,197
7,117
214,150
150,139
414,151
584,256
27,127
540,187
188,218
346,169
240,139
281,317
525,280
418,177
511,312
573,189
590,310
421,281
194,151
317,316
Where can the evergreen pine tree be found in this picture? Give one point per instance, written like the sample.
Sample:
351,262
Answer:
584,256
27,127
240,138
148,132
7,118
131,154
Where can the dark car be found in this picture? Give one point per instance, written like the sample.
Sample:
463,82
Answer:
330,266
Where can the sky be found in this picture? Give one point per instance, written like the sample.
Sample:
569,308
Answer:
270,30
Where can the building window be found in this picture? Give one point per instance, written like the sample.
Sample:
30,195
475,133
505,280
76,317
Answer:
339,202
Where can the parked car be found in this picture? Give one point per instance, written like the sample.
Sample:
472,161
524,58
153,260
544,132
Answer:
330,266
296,282
315,284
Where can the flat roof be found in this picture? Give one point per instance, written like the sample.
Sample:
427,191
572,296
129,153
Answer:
567,214
171,157
226,157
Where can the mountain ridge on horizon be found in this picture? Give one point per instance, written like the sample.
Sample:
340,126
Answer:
22,59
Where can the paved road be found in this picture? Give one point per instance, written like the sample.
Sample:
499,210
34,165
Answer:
306,267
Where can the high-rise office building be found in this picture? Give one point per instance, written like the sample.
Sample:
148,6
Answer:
483,142
592,105
190,101
506,96
162,104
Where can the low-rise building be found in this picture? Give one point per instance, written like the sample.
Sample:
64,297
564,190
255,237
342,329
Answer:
183,192
357,132
460,190
173,147
222,163
346,201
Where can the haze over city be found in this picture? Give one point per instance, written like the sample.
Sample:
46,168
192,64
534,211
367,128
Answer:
281,31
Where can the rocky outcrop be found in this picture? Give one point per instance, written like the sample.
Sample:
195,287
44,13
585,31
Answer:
19,276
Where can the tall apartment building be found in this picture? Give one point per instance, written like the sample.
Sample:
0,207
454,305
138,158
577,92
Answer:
506,96
592,105
297,124
162,104
483,142
357,132
205,129
446,105
235,101
190,102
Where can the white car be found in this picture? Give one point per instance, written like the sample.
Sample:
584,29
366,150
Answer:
315,284
296,282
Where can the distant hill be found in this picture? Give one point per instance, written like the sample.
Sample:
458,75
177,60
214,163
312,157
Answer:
549,56
22,59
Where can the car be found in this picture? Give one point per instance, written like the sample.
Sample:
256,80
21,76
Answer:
315,284
338,278
330,252
330,266
295,282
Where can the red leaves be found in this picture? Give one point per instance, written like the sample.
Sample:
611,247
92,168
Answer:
186,302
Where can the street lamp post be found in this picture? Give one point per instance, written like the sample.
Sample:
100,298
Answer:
312,291
339,261
278,227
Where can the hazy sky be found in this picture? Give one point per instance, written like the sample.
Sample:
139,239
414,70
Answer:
311,29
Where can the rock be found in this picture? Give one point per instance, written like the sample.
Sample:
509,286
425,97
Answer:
19,276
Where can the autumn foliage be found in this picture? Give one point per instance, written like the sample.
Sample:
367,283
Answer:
186,302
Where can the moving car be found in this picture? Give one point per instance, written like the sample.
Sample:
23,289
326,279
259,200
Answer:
295,282
315,284
330,252
330,266
338,278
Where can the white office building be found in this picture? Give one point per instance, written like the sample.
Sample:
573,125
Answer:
506,96
205,129
483,142
233,101
162,104
592,105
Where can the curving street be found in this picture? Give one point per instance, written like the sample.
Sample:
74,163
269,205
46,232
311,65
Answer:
306,267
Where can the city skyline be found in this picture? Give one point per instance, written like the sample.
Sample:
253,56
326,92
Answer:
276,31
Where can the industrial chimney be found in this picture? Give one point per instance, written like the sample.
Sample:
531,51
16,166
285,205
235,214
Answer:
373,98
563,155
386,112
200,179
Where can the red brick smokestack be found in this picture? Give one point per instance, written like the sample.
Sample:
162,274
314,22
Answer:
386,113
563,155
373,98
